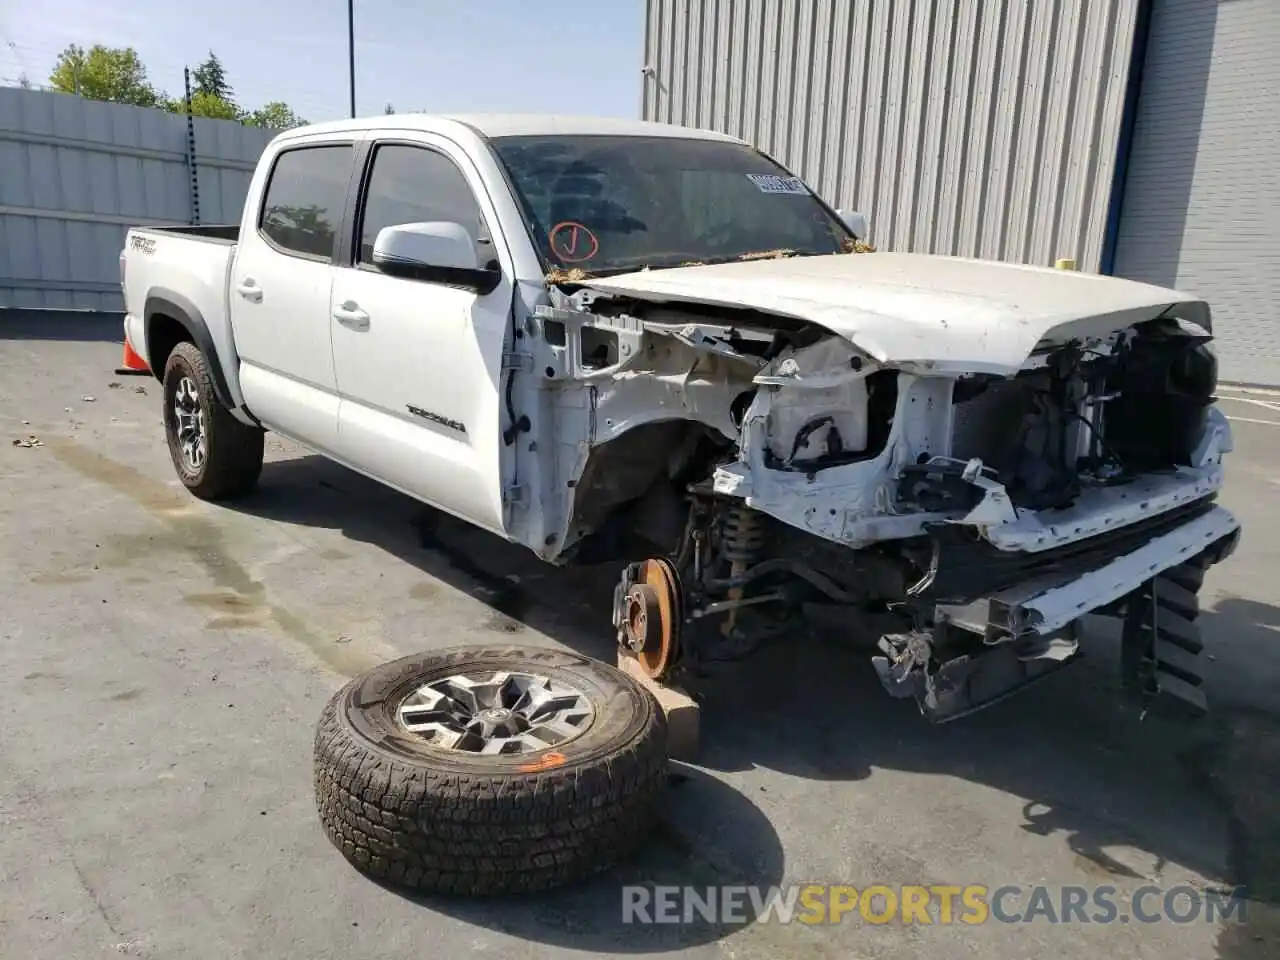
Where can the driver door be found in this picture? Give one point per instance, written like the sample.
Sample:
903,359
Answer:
418,363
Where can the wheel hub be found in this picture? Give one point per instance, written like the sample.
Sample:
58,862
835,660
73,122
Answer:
643,619
189,423
496,714
652,613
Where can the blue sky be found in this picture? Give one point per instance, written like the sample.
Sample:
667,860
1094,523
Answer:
564,56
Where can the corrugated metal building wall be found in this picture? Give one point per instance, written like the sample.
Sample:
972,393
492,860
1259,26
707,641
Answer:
1203,191
978,127
75,174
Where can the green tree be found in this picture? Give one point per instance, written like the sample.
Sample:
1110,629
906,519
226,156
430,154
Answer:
207,105
388,109
114,74
274,115
211,80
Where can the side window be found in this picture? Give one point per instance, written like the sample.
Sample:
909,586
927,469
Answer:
305,197
417,185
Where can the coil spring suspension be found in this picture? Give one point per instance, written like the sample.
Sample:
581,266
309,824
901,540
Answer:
742,542
743,536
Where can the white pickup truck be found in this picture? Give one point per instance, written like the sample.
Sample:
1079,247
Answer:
631,342
617,340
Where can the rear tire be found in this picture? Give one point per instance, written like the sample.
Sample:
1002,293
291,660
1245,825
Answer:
444,819
215,455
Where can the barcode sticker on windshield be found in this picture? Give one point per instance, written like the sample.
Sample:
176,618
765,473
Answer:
772,183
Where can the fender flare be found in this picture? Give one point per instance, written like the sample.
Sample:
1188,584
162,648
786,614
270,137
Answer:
179,308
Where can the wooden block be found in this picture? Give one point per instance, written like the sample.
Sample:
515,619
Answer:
680,709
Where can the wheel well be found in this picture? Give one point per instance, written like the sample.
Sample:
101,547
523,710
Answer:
163,334
637,480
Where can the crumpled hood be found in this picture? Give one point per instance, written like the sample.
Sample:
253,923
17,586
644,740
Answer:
940,313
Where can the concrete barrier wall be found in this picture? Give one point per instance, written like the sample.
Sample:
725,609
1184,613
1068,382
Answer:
75,174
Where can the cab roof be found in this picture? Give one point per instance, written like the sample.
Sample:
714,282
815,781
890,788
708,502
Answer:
494,125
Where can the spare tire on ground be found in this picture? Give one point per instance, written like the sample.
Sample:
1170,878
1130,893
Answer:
489,770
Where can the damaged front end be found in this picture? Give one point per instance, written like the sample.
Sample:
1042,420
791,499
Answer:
963,521
1075,487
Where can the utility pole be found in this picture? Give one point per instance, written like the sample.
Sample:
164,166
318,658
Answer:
351,52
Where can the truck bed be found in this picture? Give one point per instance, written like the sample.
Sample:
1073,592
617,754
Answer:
212,232
179,271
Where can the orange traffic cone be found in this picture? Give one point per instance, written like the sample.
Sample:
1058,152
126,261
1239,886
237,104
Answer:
132,363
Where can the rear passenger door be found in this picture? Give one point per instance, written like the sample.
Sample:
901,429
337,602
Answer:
281,284
418,373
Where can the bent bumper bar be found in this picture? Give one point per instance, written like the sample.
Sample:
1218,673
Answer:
1041,607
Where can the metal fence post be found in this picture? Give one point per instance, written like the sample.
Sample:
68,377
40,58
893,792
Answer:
191,150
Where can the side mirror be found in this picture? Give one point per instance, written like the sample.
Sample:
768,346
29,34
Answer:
857,223
437,252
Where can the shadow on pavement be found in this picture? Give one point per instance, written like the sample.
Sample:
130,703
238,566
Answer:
570,604
88,326
1091,769
1240,770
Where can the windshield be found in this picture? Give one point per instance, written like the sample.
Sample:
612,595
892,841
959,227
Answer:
605,204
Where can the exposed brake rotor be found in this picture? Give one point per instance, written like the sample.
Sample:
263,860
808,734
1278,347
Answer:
652,617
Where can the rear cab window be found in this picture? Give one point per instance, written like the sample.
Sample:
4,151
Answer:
303,204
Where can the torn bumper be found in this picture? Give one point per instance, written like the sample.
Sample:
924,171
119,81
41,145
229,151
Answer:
1032,630
1051,601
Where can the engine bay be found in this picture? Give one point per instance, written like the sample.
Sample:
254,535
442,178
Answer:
799,425
1084,418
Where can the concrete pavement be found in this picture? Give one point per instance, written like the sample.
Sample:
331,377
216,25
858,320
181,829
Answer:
163,663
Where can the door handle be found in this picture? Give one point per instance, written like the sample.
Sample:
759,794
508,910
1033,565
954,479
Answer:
248,288
350,315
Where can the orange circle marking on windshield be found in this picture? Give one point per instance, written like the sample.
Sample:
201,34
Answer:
571,242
